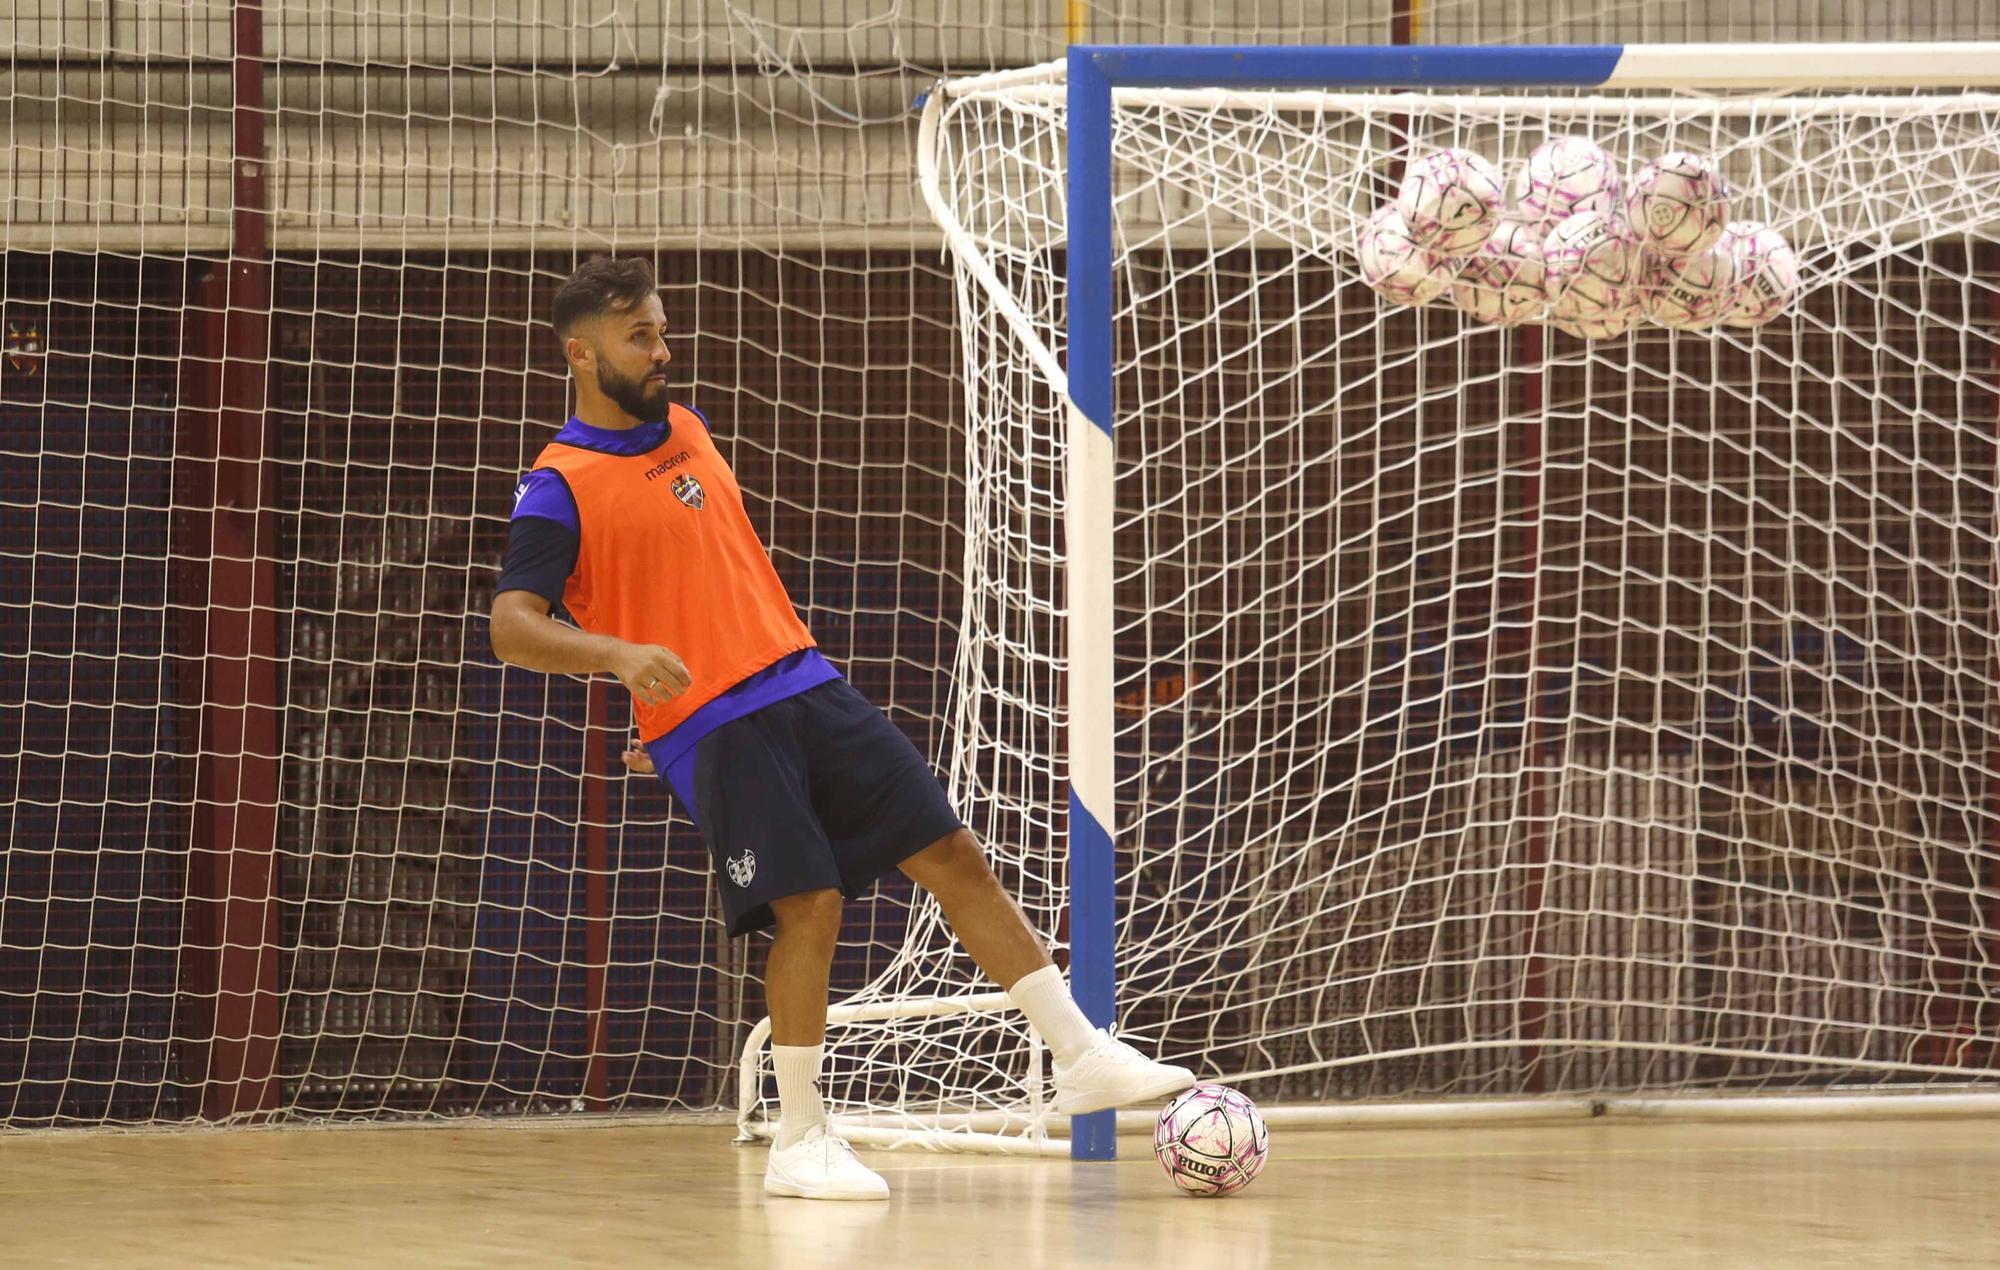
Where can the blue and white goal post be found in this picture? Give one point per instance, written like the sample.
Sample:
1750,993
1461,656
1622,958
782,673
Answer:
1390,705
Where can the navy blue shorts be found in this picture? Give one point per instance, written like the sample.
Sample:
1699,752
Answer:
817,791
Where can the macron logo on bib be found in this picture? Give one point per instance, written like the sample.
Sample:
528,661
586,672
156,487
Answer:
665,466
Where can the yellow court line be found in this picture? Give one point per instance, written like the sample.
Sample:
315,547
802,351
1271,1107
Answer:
1076,20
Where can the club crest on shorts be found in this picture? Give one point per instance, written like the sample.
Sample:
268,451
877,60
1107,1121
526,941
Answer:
742,865
688,490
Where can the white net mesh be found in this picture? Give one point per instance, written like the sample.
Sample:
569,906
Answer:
401,891
1499,713
282,839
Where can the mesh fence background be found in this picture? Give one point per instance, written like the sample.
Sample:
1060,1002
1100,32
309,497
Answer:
445,871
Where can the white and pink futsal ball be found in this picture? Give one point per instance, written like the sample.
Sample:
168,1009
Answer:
1562,177
1502,282
1677,204
1591,268
1450,200
1767,272
1211,1141
1395,266
1691,293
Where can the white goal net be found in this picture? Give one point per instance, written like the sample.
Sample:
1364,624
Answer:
1498,713
285,843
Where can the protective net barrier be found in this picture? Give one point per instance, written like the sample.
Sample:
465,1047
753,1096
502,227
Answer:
280,841
1498,713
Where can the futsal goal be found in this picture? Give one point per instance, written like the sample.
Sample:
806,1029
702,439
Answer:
1388,709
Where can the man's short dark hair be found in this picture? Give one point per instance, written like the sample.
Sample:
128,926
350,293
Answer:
604,284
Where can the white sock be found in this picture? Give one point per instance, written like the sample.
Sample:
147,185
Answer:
1045,999
799,1106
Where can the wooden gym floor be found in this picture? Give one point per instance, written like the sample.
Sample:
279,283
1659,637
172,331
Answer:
1875,1193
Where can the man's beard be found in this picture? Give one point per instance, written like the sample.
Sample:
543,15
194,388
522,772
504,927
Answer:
643,399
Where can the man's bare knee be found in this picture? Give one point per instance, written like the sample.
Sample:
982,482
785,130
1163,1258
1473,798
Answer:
808,914
956,857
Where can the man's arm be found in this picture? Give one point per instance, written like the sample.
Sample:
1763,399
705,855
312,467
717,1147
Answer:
542,544
525,635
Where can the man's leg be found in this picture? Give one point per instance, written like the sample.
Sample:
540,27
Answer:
876,797
1092,1071
795,990
806,1158
983,916
795,972
747,785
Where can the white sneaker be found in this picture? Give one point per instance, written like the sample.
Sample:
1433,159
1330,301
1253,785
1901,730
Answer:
821,1166
1113,1074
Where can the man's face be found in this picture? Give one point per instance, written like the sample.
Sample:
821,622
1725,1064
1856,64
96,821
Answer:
630,352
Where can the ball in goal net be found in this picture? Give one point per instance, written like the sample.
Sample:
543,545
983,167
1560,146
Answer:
1385,706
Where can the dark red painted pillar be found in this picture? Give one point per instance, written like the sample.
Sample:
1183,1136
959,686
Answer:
232,920
1534,984
596,887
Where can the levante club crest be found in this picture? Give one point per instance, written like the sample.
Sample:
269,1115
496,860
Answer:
688,490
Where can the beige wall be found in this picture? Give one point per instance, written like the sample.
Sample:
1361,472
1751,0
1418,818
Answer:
758,122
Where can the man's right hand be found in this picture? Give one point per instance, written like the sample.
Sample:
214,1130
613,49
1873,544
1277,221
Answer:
654,674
